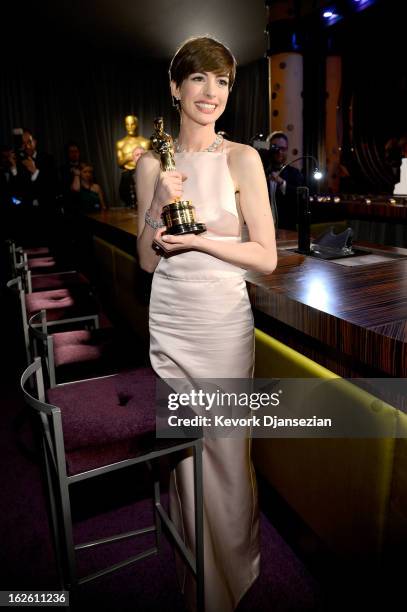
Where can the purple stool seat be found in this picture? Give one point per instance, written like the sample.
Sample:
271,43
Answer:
41,262
75,347
106,420
62,303
37,251
48,300
76,337
81,354
45,282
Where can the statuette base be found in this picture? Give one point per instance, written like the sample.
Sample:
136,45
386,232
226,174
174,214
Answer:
186,228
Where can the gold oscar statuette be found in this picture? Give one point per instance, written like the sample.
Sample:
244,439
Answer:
179,215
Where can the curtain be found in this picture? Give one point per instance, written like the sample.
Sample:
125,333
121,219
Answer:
247,112
87,103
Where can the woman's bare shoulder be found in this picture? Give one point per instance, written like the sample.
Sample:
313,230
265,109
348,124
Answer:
240,153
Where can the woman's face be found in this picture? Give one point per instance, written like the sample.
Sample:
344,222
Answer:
87,174
203,96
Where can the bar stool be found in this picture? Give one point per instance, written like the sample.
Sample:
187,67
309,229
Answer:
60,305
39,257
86,432
79,353
54,280
37,252
44,279
41,278
21,266
40,263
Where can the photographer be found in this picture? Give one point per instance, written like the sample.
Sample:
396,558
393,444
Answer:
37,176
282,187
37,184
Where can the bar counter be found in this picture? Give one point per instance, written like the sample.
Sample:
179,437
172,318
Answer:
349,495
351,319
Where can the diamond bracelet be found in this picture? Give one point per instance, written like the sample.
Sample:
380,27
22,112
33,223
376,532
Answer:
153,222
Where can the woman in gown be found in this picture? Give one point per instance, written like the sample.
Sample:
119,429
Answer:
90,194
201,324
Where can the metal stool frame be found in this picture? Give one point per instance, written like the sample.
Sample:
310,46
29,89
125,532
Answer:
58,483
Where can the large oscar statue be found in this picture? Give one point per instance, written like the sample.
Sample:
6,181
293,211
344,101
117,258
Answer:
178,216
128,150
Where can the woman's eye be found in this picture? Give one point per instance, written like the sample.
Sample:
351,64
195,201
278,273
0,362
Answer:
223,82
197,78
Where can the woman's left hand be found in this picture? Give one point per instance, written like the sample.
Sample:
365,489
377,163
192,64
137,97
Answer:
170,243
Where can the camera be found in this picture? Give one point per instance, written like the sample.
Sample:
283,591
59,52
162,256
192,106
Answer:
260,143
18,143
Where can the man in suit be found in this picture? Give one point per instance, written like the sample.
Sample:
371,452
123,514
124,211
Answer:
38,186
37,176
283,186
67,170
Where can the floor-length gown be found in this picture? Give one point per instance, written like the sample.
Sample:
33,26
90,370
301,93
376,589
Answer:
201,326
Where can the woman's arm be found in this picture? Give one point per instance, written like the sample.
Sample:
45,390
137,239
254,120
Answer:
154,189
101,195
76,181
260,253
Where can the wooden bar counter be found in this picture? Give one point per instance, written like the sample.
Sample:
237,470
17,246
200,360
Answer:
350,318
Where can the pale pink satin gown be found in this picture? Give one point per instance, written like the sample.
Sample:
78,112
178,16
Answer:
201,326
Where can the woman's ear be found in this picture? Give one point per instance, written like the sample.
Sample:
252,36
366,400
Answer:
174,90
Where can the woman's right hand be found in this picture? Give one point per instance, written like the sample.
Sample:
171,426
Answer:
168,189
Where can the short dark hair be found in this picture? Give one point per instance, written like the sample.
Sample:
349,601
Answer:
69,144
202,54
278,134
29,131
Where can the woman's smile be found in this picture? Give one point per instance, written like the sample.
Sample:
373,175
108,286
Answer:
206,107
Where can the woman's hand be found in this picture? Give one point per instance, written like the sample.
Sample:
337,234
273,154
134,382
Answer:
170,244
168,189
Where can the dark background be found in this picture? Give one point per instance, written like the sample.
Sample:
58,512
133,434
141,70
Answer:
73,70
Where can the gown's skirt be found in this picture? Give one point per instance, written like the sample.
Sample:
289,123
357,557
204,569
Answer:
204,329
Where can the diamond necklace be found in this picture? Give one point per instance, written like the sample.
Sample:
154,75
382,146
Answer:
216,143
